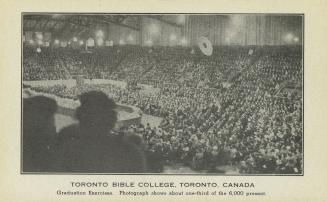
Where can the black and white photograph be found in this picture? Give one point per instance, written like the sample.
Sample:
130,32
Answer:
162,93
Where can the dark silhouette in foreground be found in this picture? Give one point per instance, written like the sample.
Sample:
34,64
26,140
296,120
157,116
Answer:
39,153
91,147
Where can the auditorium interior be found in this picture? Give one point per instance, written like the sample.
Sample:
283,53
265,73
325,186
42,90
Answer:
193,93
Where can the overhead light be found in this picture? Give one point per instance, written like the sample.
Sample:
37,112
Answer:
121,42
149,42
153,28
289,37
130,38
172,37
99,34
296,39
183,41
100,42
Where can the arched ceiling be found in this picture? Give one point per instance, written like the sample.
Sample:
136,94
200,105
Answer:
68,25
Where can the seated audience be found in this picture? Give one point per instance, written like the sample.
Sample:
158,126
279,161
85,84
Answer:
231,108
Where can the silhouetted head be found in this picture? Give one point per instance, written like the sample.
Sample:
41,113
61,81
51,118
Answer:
38,116
97,113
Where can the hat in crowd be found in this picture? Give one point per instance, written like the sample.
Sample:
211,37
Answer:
39,106
96,108
37,114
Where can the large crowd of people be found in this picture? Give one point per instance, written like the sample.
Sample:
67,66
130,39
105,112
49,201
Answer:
218,110
66,63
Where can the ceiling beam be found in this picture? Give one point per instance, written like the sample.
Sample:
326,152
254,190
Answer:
37,18
84,22
164,21
110,21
